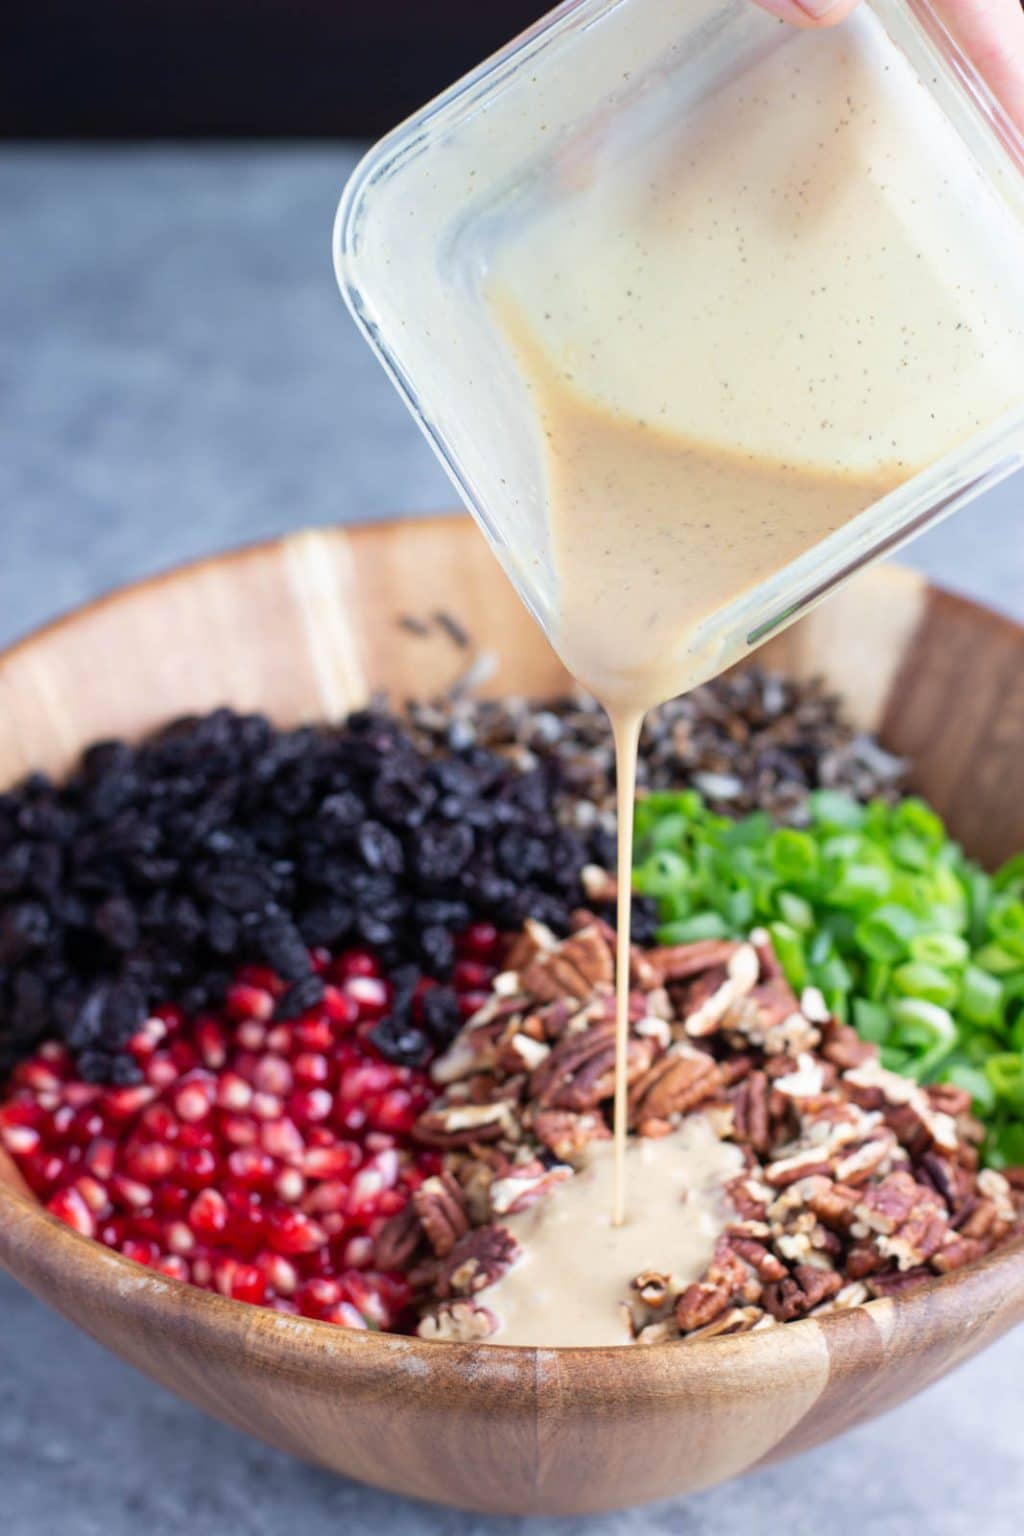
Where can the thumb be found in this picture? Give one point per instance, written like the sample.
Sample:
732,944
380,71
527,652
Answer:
810,13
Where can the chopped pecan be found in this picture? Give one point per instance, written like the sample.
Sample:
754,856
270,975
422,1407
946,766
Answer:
653,1287
462,1125
887,1205
441,1207
704,1013
797,1294
477,1261
831,1203
686,960
760,1258
955,1253
733,1320
700,1304
895,1282
458,1322
844,1047
525,1185
566,1134
677,1082
535,939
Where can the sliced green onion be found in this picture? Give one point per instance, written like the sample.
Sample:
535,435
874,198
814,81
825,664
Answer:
706,925
946,950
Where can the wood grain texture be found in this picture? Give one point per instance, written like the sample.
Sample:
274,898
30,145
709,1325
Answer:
307,628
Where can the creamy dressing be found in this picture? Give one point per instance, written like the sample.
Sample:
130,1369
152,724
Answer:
576,1269
737,341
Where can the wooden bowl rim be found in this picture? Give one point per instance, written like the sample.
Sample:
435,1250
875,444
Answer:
70,1260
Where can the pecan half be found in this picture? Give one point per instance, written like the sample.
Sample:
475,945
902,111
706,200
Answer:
397,1241
677,1082
477,1261
441,1207
580,1072
750,1112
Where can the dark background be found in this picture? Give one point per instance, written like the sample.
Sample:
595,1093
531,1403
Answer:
118,69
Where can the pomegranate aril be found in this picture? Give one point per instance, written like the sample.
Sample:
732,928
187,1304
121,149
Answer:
161,1070
279,1039
193,1100
350,1118
355,963
312,1069
357,1252
281,1274
43,1170
342,1011
310,1106
242,1282
247,1227
211,1042
101,1157
245,1002
141,1250
252,1036
93,1193
197,1167
146,1039
290,1186
208,1214
172,1199
20,1140
395,1112
159,1123
252,1167
233,1092
471,976
149,1161
480,941
200,1134
38,1076
316,1034
124,1103
130,1193
267,1106
113,1231
273,1075
345,1315
365,1294
291,1232
179,1237
283,1138
184,1055
173,1266
370,995
21,1111
332,1162
69,1206
314,1296
331,1195
240,1130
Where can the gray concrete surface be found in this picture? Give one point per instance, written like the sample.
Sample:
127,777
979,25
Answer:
178,374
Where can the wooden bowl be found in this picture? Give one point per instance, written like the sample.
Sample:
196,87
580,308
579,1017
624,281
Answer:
306,628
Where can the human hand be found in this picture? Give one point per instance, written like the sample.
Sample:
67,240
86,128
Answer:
991,33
